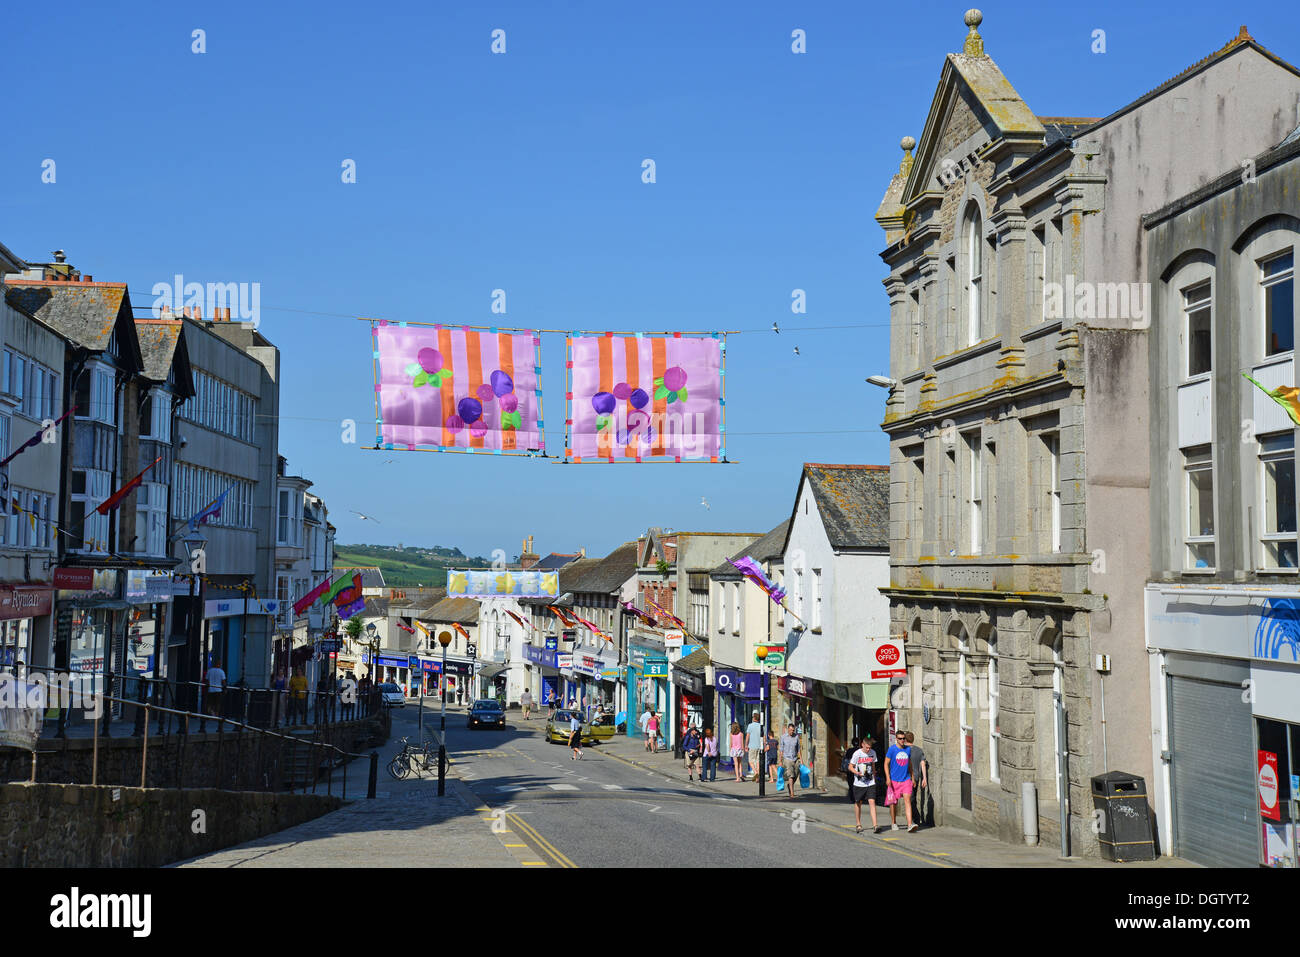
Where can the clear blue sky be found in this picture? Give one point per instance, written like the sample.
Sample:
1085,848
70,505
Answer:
522,171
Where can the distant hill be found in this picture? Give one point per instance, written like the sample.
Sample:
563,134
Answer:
408,566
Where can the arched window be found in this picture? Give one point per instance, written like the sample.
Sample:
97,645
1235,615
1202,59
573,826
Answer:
994,692
1058,691
965,709
974,275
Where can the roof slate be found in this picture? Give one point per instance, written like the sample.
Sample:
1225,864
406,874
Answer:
371,576
158,341
554,561
609,573
694,662
84,312
770,546
462,610
853,501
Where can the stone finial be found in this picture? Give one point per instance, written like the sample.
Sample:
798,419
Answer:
908,144
974,42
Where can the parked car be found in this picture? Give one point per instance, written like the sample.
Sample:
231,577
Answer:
392,695
557,728
486,711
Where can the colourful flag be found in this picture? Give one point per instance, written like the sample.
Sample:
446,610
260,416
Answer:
641,615
1288,397
666,614
522,623
34,440
751,570
343,582
347,611
594,629
460,628
350,595
114,500
307,600
646,398
211,510
404,628
458,388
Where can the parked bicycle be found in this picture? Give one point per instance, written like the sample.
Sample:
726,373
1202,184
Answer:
418,758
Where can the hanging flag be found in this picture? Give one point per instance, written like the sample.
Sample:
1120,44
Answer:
423,629
343,582
1288,397
309,599
114,500
404,628
594,629
751,570
460,388
35,439
641,615
347,611
209,511
522,623
350,595
646,398
460,628
666,614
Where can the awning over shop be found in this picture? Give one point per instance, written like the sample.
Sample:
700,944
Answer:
688,672
870,695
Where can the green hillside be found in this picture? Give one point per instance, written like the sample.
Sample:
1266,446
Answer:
408,566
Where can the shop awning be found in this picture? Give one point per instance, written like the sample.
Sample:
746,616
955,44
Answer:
489,670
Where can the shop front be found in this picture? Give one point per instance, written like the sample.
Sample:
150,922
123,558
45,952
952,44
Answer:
456,679
688,679
541,661
849,711
652,686
738,699
89,610
25,625
1227,672
392,669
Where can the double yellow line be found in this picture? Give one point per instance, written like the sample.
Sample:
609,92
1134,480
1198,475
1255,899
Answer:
531,833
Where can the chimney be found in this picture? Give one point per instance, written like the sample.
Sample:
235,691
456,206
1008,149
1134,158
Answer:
88,278
60,256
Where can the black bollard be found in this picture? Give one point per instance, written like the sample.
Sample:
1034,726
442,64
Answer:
374,773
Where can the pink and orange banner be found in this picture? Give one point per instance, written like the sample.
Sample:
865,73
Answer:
638,398
457,389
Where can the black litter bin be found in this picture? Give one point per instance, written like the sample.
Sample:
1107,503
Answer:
1125,817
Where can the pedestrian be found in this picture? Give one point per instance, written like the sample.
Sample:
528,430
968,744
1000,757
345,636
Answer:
754,739
846,764
526,703
737,751
863,766
710,745
322,697
279,686
691,748
298,695
644,722
652,729
460,695
899,759
773,755
216,687
920,769
575,735
790,759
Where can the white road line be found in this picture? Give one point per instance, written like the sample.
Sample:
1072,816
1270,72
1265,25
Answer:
719,797
612,787
563,787
511,787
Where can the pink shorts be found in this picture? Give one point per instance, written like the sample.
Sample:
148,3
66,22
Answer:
898,790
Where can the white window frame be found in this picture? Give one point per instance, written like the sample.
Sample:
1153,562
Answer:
1058,688
975,489
974,275
722,607
994,696
1198,459
1275,448
735,606
1203,303
964,710
779,578
95,527
817,600
1052,454
1265,284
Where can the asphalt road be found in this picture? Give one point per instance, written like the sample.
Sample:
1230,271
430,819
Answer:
605,812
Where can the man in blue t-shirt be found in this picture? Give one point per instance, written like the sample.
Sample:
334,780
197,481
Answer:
899,761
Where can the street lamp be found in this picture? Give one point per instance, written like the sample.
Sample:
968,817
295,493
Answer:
444,639
371,633
761,654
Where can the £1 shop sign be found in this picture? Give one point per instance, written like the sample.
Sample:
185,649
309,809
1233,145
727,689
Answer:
886,659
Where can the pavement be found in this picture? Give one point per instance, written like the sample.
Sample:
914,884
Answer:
515,800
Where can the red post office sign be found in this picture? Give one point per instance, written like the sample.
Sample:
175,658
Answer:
1266,780
886,659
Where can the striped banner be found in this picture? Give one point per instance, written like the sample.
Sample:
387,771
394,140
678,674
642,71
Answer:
639,398
457,389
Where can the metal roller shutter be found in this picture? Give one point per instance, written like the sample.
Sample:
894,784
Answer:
1213,774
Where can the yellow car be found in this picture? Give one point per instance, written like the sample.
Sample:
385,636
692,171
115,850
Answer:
601,729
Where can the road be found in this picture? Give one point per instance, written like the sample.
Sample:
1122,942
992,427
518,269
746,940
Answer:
603,811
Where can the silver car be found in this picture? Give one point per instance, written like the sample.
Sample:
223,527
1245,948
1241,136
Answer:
392,695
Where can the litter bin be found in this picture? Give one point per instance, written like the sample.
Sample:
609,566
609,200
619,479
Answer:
1125,817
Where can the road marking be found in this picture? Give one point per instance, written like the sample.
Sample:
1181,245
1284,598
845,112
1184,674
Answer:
719,797
612,787
563,787
512,787
516,845
874,843
542,842
534,863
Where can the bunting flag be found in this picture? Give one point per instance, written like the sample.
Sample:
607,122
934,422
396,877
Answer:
751,570
356,608
564,616
114,500
639,398
641,615
343,582
36,439
460,628
350,595
1288,397
666,614
211,510
404,628
594,629
522,623
457,389
309,599
427,632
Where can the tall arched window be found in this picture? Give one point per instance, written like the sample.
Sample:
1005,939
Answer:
965,709
994,692
1058,690
974,275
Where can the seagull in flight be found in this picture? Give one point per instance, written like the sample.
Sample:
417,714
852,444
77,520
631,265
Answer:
704,501
776,329
366,518
796,350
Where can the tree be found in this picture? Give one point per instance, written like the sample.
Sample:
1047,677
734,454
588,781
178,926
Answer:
353,628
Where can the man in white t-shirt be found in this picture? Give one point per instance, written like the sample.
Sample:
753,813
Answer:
643,721
754,742
863,766
216,687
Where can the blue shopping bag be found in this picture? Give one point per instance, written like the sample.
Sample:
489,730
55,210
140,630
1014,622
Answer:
805,776
780,779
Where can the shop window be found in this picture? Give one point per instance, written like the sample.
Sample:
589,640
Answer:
1278,502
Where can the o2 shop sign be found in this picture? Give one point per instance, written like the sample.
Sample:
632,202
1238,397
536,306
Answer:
887,659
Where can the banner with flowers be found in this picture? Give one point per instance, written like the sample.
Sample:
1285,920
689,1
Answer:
638,398
489,583
461,389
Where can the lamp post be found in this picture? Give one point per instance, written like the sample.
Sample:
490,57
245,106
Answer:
194,544
444,639
374,658
761,653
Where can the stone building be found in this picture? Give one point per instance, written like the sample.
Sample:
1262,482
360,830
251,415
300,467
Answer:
1017,418
1223,604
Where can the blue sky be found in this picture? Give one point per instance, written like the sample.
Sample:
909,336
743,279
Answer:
522,172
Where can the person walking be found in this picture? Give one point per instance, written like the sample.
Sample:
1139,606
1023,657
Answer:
652,731
789,745
899,759
575,735
216,687
737,751
773,755
863,765
279,686
526,703
644,722
846,764
920,769
691,748
710,745
298,696
754,739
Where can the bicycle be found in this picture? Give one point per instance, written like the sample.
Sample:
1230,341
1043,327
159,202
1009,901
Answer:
417,758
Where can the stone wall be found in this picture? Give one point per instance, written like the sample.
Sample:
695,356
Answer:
69,825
